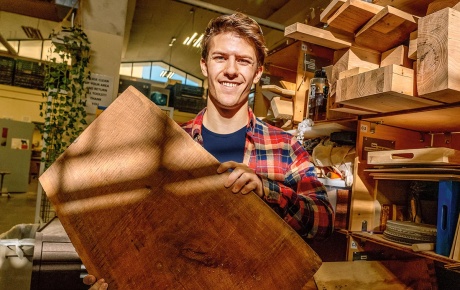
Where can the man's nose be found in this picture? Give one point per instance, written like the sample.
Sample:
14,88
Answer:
231,69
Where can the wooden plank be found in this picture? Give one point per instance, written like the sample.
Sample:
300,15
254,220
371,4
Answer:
363,275
386,89
353,57
416,176
433,120
412,50
352,15
438,59
282,109
398,56
387,29
279,90
351,110
317,36
144,208
331,9
417,8
352,72
440,4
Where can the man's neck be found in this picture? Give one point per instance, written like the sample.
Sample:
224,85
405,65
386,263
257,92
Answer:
225,122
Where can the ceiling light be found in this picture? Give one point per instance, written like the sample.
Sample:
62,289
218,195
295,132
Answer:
198,41
190,39
166,74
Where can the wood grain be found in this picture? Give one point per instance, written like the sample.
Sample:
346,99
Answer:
144,208
331,9
352,15
417,8
317,36
386,89
398,56
387,29
438,53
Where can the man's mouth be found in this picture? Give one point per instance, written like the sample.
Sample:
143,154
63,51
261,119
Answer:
227,84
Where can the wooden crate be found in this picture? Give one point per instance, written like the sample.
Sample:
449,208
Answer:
145,208
444,156
386,89
438,59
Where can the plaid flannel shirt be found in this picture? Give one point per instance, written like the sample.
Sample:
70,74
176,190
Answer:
290,184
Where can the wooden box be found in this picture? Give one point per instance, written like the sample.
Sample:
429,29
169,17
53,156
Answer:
385,89
144,207
433,156
438,61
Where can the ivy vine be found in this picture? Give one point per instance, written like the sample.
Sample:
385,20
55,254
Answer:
64,107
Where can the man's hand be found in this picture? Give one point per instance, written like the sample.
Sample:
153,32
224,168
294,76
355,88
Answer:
95,285
242,178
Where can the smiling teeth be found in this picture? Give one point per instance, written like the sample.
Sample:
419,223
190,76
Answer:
229,84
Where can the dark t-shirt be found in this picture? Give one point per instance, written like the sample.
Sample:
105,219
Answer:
225,147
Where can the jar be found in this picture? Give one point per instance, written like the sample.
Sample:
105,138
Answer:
317,96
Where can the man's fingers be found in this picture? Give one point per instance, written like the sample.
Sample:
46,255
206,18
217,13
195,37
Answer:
99,285
223,167
89,280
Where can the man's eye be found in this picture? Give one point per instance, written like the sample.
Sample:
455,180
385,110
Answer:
244,61
219,58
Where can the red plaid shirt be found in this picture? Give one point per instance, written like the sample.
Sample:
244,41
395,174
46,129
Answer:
291,186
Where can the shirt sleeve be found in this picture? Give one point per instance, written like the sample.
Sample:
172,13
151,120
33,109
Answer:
301,199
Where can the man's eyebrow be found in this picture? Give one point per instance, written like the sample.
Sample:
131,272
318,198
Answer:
237,55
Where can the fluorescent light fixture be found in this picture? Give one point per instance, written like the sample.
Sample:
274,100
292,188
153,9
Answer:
198,41
166,74
189,41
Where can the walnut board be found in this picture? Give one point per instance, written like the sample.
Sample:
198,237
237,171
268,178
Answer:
144,208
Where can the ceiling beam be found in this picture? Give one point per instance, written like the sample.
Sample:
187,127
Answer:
8,46
223,10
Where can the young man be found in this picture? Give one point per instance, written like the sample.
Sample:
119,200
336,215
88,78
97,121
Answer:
261,158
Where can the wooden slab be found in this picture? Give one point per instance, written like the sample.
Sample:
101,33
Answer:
331,9
440,4
317,36
387,29
412,49
398,56
386,89
437,74
144,208
417,8
352,58
352,15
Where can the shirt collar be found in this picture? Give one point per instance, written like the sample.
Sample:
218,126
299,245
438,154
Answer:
198,122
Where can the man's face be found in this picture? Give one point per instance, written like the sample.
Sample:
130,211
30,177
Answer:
231,68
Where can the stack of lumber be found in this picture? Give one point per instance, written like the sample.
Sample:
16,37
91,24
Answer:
388,58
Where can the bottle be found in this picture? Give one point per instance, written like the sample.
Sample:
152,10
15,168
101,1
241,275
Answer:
317,96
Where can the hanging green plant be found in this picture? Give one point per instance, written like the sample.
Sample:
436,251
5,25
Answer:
64,108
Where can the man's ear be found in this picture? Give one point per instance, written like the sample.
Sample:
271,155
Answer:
259,72
204,67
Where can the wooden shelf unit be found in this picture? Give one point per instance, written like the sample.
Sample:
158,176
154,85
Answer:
378,239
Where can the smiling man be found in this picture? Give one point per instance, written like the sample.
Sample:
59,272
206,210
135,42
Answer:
262,159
